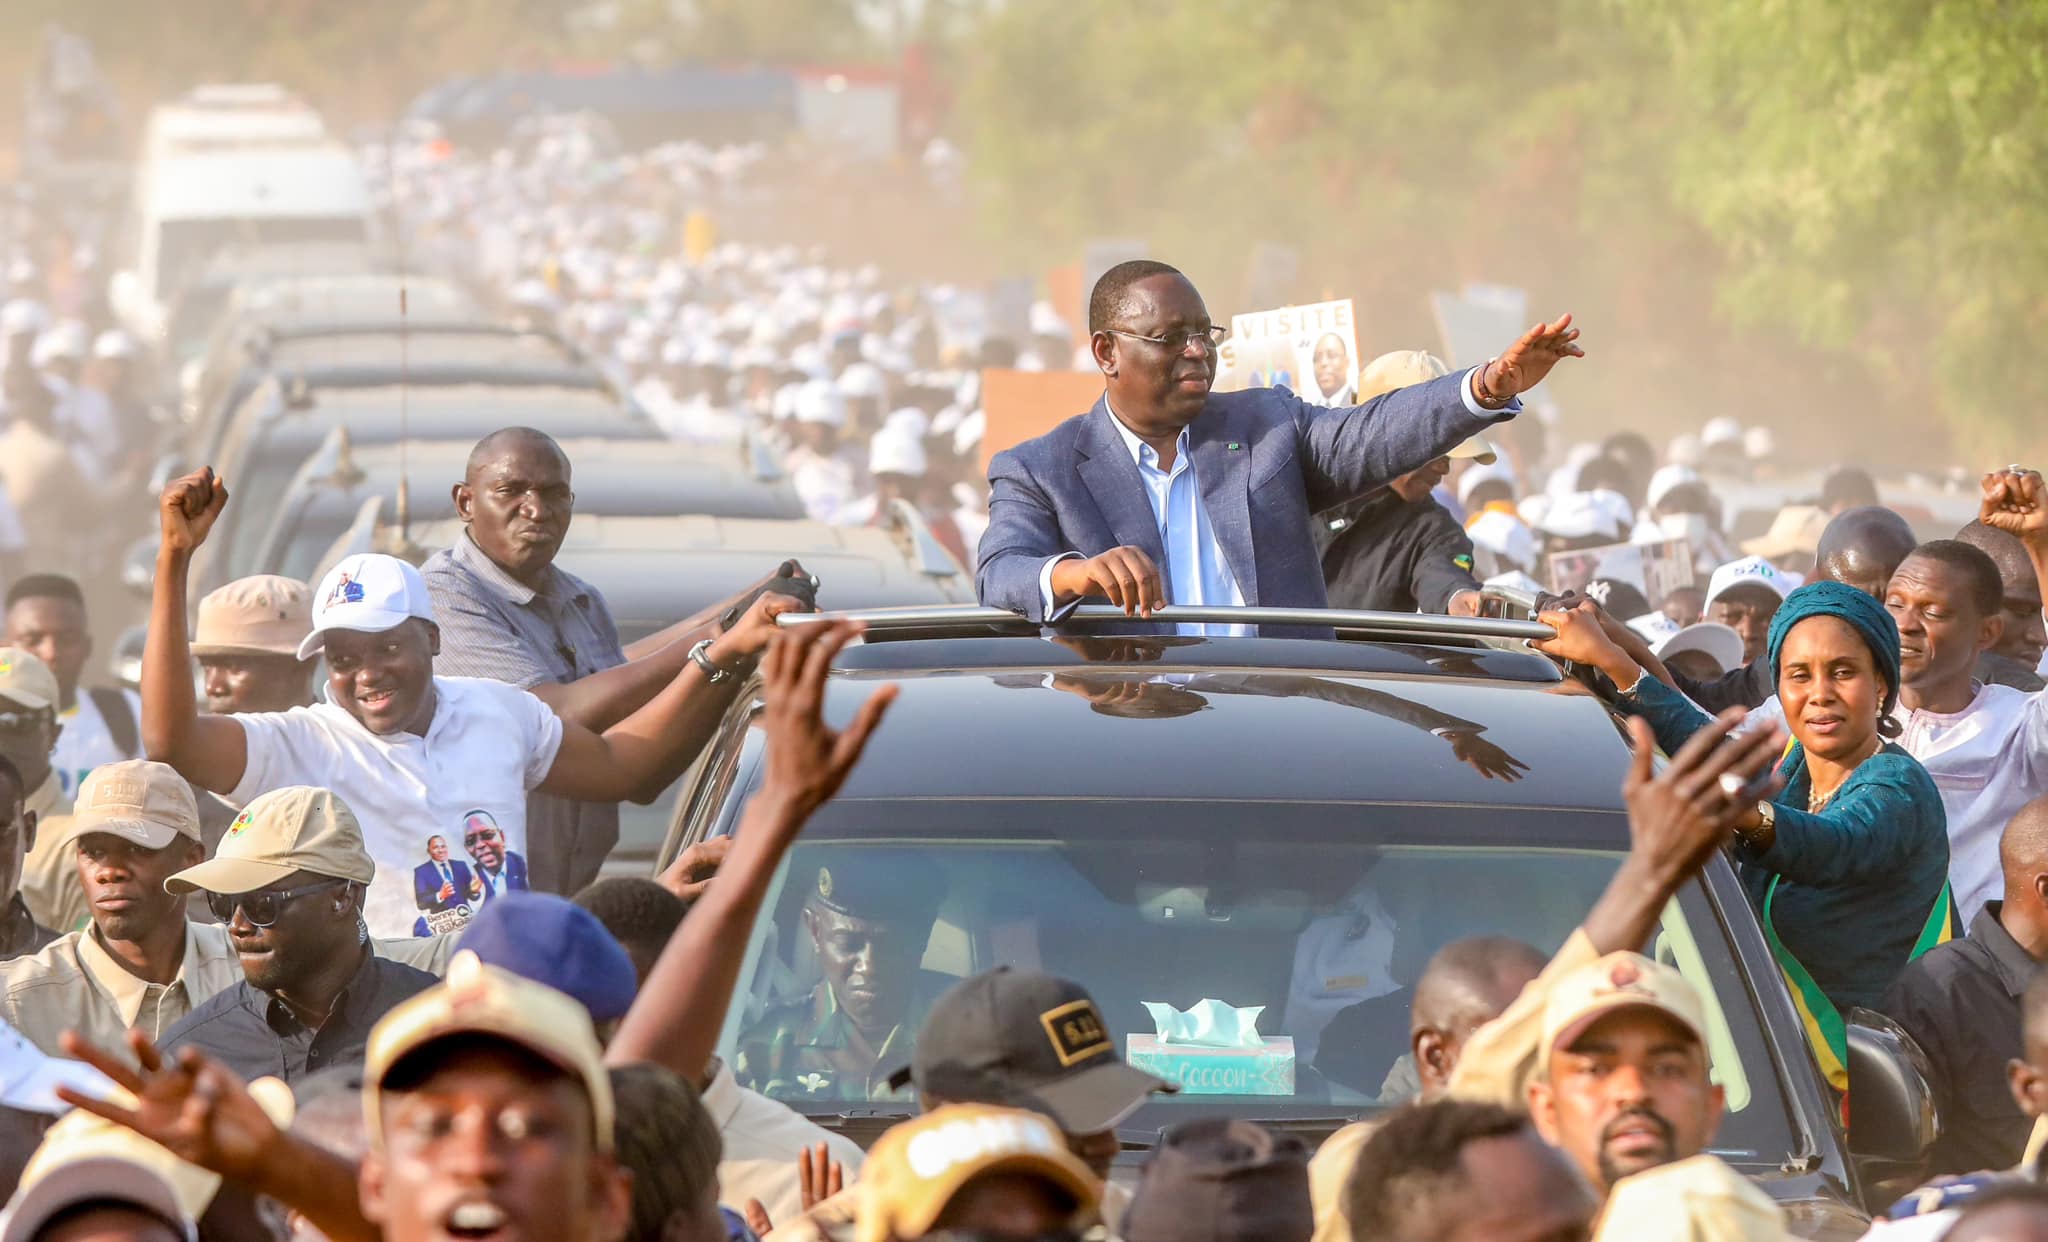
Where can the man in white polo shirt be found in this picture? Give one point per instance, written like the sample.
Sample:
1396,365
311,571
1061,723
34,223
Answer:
416,756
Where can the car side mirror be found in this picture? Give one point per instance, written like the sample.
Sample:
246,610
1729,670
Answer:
1892,1119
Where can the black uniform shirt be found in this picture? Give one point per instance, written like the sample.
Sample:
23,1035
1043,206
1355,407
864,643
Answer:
1960,1002
1393,556
253,1033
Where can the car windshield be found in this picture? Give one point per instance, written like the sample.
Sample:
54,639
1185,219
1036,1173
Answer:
1307,923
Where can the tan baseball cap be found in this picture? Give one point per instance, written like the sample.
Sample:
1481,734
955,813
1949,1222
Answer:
1403,367
1700,1199
147,803
84,1158
1618,981
914,1170
297,828
266,614
25,679
475,999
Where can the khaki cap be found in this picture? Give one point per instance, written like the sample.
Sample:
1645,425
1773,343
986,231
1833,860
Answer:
26,679
476,999
136,800
1797,528
915,1169
1403,367
1699,1199
84,1158
1618,981
266,614
297,828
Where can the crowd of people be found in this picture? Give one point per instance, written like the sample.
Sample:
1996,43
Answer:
310,936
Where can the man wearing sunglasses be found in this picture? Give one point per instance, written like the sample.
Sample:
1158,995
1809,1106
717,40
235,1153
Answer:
1167,493
288,883
139,964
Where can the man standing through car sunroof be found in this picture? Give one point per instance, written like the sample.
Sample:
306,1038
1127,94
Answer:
508,613
1167,493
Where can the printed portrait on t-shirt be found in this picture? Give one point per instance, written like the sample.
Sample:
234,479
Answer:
446,890
499,868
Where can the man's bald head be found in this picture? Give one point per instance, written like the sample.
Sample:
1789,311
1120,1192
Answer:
516,501
2025,636
1467,984
2023,856
1863,547
511,440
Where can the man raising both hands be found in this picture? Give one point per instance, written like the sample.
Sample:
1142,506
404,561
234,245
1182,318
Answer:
415,755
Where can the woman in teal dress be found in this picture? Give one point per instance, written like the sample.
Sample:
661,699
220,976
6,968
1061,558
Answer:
1848,865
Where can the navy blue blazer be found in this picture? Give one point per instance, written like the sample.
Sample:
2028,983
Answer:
1265,460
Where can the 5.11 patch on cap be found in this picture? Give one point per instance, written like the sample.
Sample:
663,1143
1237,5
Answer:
1077,1031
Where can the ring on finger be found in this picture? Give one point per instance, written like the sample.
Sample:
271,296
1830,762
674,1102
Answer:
1731,784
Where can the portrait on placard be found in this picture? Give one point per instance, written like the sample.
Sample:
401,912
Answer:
1311,350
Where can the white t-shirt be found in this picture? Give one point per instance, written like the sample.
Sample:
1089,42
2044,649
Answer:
489,744
86,742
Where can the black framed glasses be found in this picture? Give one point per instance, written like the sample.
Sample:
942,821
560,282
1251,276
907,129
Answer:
1209,338
23,721
262,906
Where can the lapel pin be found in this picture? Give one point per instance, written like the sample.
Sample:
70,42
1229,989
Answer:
1234,446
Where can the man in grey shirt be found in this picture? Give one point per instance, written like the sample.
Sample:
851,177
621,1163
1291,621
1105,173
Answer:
507,613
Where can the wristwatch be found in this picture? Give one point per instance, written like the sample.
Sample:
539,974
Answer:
712,673
1768,813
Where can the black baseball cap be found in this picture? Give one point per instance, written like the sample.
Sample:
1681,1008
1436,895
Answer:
1215,1179
1028,1040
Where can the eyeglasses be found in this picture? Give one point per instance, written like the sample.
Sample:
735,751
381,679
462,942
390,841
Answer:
263,906
1209,338
22,722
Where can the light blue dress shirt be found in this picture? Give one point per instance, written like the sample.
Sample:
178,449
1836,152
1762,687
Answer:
1195,570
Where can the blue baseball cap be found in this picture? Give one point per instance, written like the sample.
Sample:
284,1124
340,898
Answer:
553,941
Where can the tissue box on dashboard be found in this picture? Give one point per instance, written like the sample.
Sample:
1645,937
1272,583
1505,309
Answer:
1268,1070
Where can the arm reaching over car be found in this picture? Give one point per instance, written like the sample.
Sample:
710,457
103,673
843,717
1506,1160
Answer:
1677,819
676,1020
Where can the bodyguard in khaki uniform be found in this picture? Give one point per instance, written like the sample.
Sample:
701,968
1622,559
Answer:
138,963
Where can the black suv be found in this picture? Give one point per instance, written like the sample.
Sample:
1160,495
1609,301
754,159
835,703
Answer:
1289,824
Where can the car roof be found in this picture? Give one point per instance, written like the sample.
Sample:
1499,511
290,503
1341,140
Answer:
1257,732
656,570
610,476
484,345
377,413
349,296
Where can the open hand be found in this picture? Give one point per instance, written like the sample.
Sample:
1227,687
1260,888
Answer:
188,508
2016,502
819,1174
1486,758
1124,576
807,760
194,1107
1528,360
1680,816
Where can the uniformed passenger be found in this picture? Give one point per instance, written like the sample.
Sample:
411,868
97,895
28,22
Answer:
869,919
